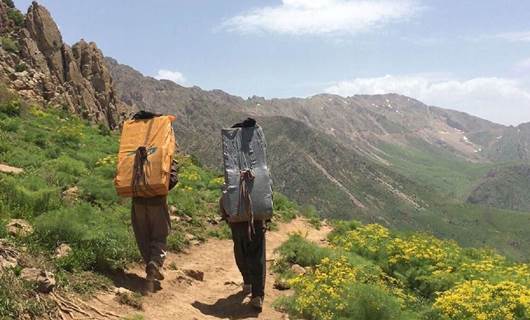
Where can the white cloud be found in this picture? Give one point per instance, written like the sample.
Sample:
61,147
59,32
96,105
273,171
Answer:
500,100
523,64
521,36
316,17
174,76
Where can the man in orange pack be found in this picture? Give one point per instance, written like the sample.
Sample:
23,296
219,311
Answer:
146,153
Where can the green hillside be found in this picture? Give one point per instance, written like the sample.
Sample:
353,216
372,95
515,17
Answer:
504,187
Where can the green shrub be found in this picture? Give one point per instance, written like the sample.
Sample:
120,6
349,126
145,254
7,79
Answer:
24,202
63,171
299,250
369,302
3,230
11,108
176,241
100,239
9,44
20,67
284,209
98,190
16,16
9,125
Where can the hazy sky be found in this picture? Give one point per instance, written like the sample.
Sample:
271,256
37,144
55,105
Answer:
469,55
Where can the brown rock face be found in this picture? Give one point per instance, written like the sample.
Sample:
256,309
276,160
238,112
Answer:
47,36
73,77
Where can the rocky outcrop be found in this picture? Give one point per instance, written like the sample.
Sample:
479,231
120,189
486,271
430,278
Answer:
46,70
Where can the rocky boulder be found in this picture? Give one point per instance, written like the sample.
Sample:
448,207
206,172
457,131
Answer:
62,251
44,280
19,228
8,255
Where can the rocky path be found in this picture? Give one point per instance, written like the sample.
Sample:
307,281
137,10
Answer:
217,296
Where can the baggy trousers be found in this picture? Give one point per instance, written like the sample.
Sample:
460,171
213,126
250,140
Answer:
151,225
250,255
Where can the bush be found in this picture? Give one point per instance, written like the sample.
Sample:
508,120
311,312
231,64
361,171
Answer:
98,190
100,239
16,16
23,202
479,299
337,289
11,108
300,251
284,209
9,125
20,67
63,171
9,44
176,241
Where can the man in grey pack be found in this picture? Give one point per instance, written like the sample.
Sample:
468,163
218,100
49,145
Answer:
246,203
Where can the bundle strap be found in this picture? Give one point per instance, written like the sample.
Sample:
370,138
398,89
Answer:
139,177
245,178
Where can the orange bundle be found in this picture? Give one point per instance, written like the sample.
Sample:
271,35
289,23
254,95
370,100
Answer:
144,158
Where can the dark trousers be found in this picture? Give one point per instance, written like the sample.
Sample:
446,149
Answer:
250,255
151,225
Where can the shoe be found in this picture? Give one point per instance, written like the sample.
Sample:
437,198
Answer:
257,303
247,289
153,272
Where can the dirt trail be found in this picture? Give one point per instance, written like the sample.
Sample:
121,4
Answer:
218,296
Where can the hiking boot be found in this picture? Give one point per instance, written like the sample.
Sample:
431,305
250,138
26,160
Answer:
153,272
247,289
257,303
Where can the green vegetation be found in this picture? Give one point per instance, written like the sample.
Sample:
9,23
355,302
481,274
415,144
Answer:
372,273
448,175
9,44
504,187
16,16
20,67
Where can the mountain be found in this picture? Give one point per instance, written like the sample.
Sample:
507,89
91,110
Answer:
35,61
387,133
382,158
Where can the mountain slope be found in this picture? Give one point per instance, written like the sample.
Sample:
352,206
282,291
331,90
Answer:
504,187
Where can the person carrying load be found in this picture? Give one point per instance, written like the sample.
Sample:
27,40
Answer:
146,172
246,202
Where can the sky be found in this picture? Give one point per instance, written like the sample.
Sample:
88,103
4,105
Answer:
468,55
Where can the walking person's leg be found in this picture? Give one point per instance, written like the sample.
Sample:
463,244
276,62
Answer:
160,227
239,235
140,225
256,263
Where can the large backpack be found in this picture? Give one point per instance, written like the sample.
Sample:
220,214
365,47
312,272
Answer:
147,146
247,193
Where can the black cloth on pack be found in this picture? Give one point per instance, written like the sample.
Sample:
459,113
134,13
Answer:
142,115
248,123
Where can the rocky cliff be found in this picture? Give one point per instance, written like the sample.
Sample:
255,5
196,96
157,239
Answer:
36,62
